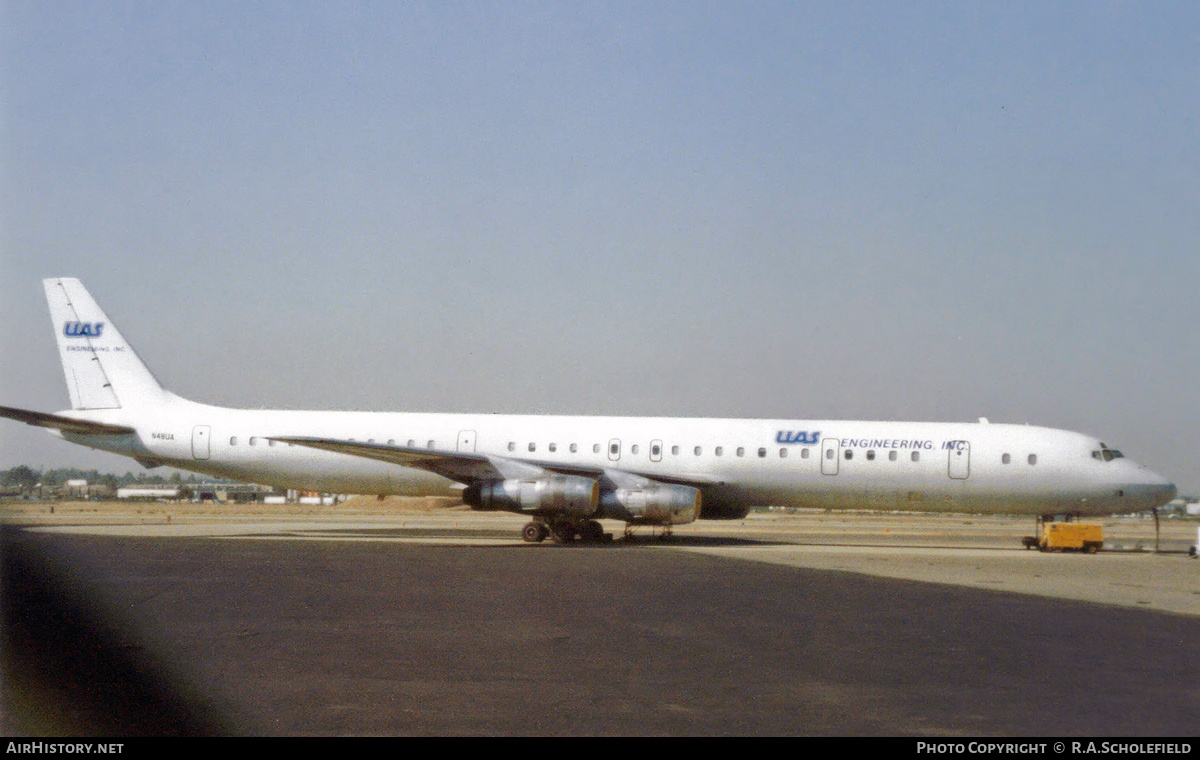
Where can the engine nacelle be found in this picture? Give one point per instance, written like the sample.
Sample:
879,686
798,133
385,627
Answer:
555,495
656,504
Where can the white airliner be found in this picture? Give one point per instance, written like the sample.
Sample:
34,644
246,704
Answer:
566,472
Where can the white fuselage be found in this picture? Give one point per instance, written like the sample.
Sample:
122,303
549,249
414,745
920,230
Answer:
739,463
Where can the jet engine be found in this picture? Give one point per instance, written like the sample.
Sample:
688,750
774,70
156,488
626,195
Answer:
652,504
568,495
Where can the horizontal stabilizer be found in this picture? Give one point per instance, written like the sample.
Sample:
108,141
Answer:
65,424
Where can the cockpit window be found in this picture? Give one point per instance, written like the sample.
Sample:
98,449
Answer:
1106,454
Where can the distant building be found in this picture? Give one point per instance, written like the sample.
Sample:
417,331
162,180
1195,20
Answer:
78,488
148,492
236,492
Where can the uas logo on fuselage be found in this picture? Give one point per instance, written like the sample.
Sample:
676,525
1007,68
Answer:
83,329
798,436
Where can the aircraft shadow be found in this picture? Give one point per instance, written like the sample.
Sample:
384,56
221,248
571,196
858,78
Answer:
509,539
450,534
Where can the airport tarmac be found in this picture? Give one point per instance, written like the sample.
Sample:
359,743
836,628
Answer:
402,618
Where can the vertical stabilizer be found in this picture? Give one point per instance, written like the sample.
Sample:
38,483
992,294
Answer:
101,368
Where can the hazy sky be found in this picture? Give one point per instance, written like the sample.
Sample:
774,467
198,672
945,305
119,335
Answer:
801,210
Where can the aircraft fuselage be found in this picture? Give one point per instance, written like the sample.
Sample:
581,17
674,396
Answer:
836,464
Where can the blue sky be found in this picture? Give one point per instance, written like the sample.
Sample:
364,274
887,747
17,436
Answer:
809,210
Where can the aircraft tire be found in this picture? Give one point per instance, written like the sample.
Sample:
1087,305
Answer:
534,533
562,533
591,531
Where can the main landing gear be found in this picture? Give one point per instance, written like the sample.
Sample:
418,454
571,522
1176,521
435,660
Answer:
534,533
562,532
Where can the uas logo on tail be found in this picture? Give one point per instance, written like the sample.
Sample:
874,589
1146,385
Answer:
83,329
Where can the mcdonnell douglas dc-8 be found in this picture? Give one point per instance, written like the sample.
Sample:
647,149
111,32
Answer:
565,472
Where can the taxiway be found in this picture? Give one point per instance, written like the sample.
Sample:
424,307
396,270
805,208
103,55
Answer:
376,620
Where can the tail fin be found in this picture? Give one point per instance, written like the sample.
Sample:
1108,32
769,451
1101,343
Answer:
102,370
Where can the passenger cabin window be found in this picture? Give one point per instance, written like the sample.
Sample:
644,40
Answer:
697,451
674,451
233,441
849,453
391,442
1005,459
762,453
916,456
783,453
719,450
532,446
553,447
595,448
1033,458
512,445
574,448
633,449
430,444
804,453
892,456
741,451
870,455
253,440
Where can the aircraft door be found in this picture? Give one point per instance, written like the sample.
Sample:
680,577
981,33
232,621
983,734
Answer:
200,438
831,451
960,460
466,441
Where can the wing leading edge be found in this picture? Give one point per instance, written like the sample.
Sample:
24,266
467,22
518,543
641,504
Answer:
471,468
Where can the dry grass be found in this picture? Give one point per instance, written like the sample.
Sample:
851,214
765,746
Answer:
101,511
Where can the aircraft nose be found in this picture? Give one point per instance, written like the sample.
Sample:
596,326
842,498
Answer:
1166,492
1154,490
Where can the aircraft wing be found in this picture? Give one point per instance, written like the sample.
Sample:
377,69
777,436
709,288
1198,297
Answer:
65,424
469,468
458,466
